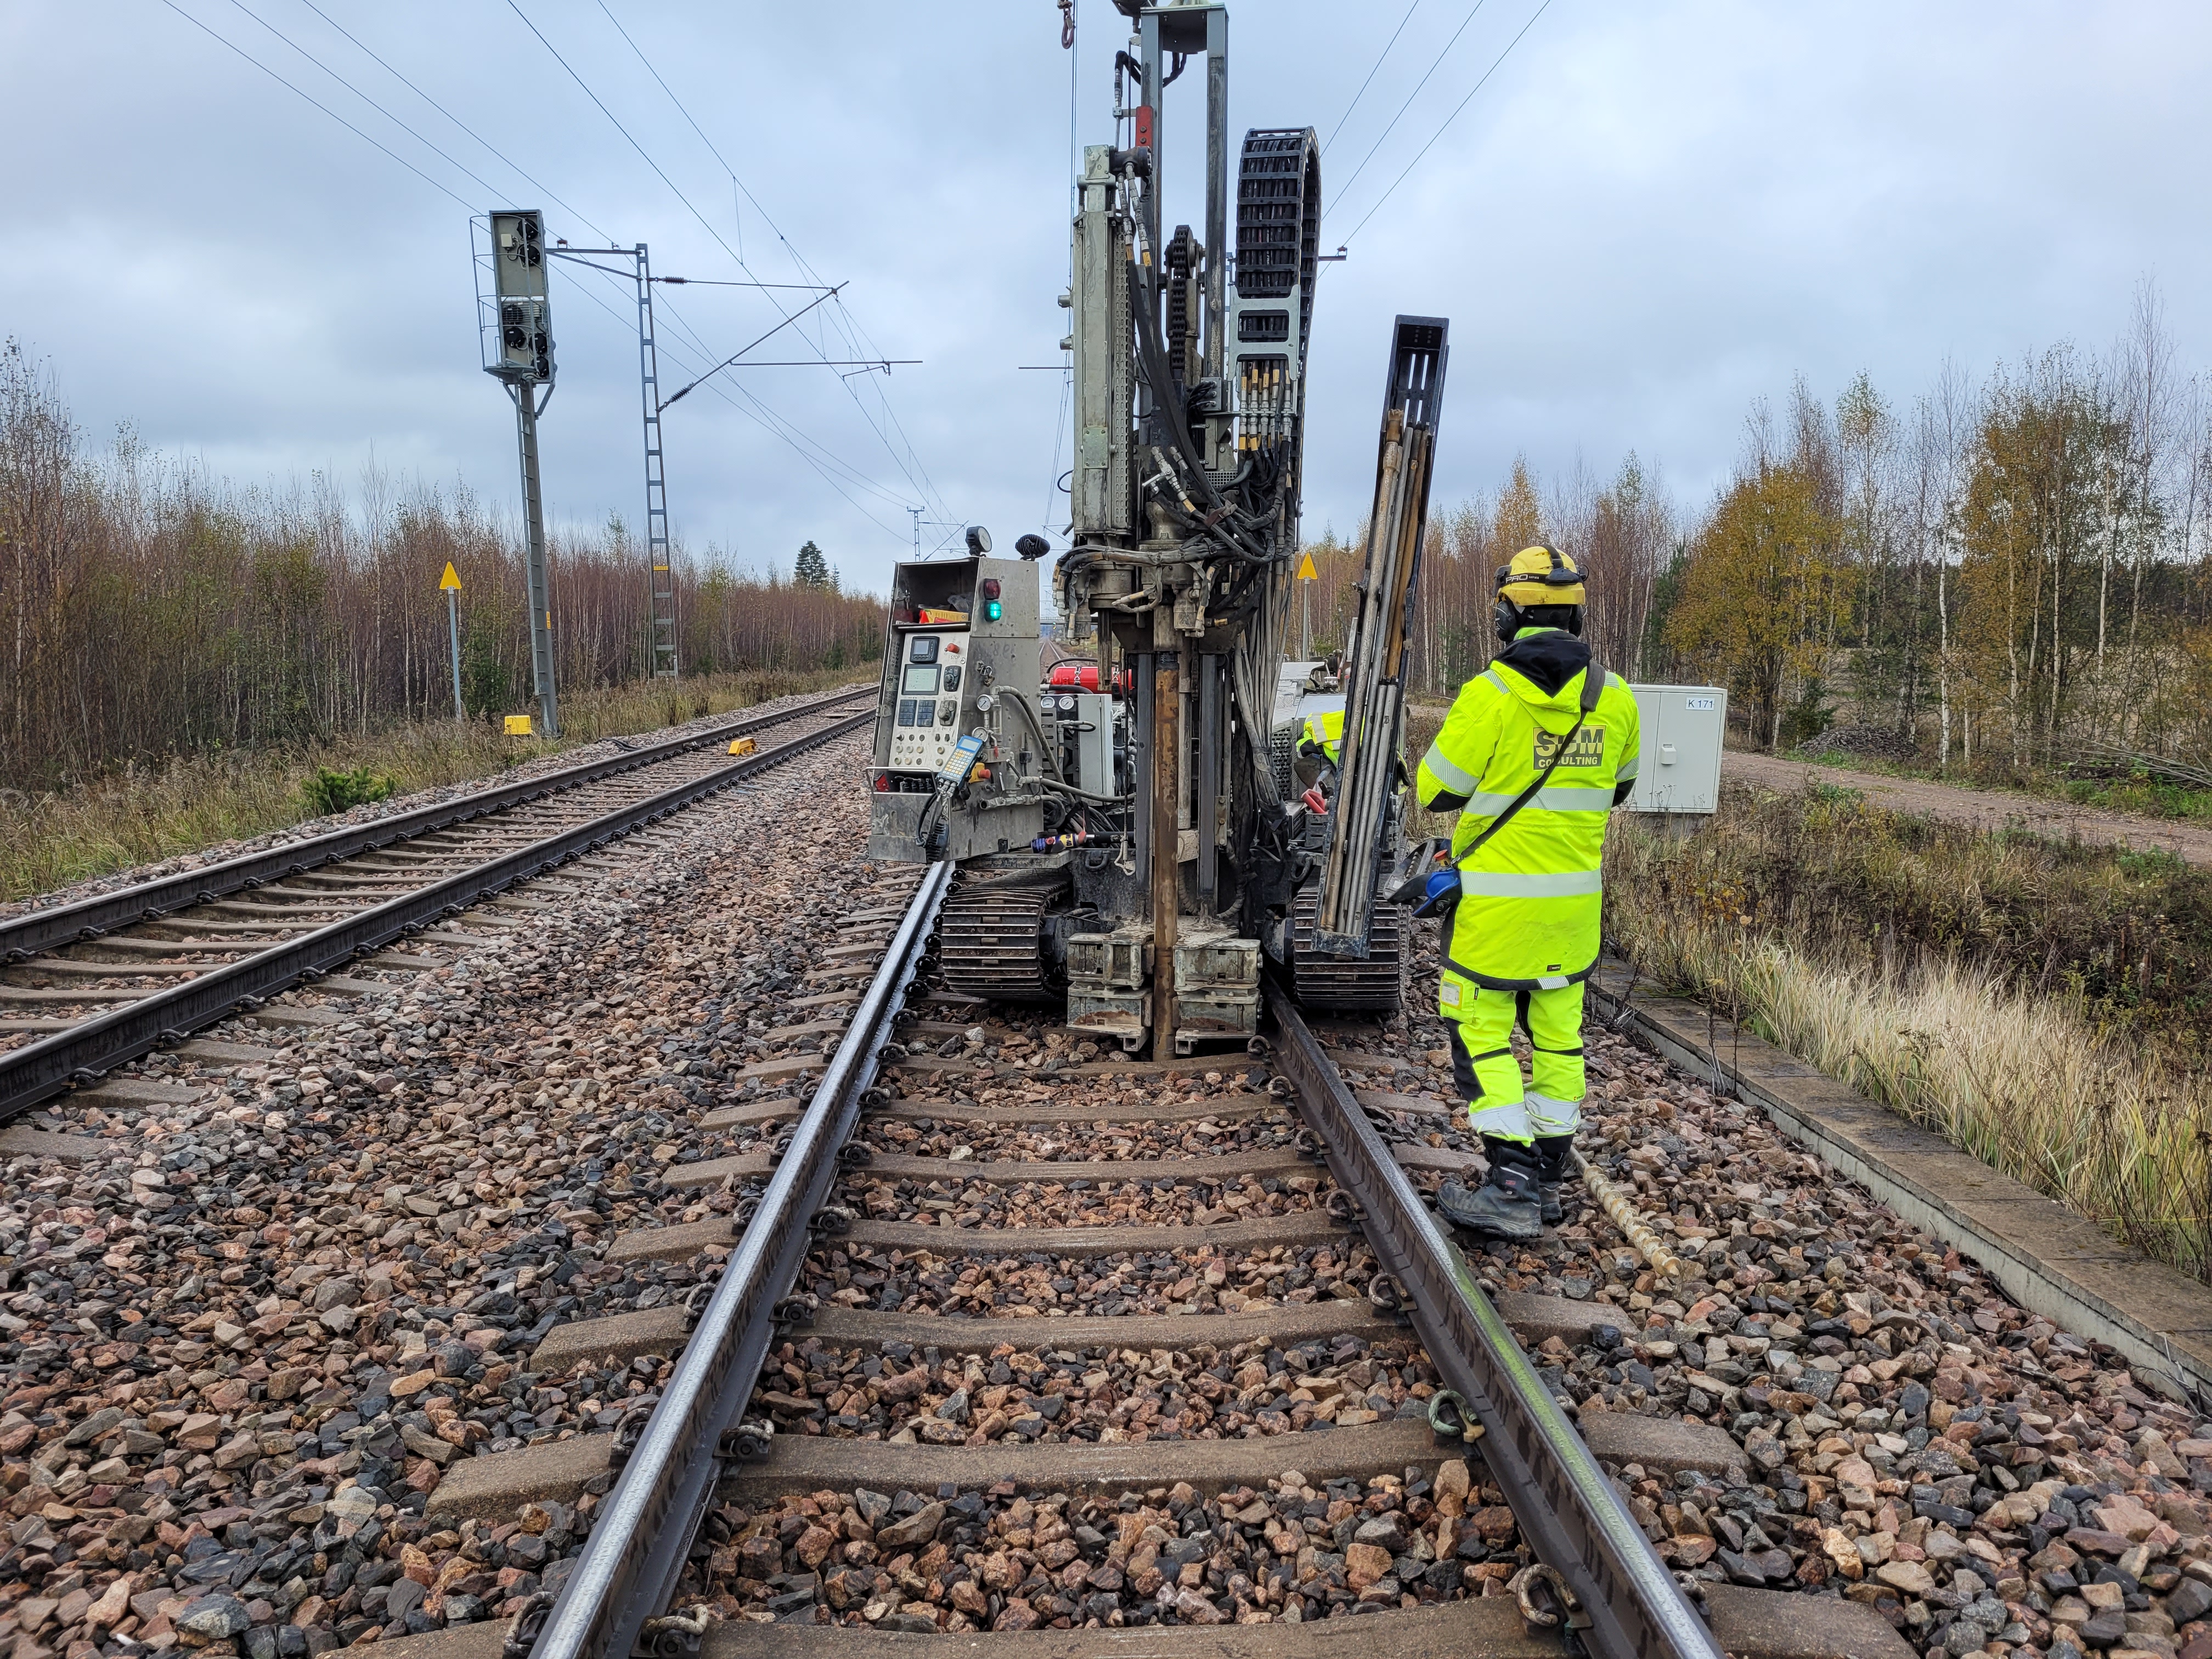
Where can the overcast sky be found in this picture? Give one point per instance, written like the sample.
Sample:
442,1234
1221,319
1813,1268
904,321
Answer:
1651,214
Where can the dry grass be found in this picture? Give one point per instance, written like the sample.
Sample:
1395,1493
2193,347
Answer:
144,813
2034,1076
1423,722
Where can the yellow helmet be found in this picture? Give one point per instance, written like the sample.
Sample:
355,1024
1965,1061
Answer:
1540,575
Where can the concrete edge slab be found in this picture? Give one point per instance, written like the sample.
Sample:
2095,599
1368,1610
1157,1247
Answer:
2033,1246
20,1140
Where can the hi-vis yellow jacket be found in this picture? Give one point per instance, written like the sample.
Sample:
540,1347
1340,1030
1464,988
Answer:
1530,896
1327,730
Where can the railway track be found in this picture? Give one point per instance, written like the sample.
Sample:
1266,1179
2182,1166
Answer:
1005,1337
992,1335
87,985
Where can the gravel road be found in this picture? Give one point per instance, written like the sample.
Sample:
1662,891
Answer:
1983,809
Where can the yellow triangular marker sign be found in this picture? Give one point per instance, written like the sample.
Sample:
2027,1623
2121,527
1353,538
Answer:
452,579
1306,571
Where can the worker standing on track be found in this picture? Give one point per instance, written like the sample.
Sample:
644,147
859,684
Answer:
1537,749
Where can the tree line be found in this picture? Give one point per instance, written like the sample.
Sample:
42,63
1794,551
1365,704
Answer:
2008,573
147,608
1625,531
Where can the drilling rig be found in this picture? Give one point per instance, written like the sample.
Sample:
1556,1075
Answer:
1147,831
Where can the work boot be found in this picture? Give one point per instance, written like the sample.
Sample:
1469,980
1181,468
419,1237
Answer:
1507,1204
1552,1166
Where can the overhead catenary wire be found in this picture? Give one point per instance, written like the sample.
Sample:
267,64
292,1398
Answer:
911,462
819,458
765,418
1338,125
757,410
857,337
521,172
742,350
1449,119
1435,64
443,155
310,98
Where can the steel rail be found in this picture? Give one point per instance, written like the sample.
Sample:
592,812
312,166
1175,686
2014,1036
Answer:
1571,1516
84,1052
26,935
642,1531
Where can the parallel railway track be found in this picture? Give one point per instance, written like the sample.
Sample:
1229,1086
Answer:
89,985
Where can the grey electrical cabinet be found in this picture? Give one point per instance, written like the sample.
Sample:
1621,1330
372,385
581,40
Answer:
1681,767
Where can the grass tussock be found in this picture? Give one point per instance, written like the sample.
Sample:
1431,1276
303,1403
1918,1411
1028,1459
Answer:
149,812
2038,1004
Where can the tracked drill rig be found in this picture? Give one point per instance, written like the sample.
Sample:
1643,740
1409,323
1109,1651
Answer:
1147,832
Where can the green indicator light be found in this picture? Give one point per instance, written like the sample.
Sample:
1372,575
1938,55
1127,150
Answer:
992,610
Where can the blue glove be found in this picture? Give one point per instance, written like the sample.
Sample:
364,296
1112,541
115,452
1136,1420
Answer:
1439,893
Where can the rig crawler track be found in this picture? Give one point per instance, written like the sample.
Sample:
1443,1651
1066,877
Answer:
708,1436
242,932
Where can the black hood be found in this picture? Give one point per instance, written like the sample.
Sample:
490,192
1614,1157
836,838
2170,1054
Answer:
1547,660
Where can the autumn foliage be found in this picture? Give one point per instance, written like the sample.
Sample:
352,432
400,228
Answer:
148,609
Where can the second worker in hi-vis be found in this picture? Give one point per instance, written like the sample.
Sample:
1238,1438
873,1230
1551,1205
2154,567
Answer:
1537,749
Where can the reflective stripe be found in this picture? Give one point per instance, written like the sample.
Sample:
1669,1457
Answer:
1507,1120
1557,799
1505,884
1456,779
1491,674
1549,1116
1627,768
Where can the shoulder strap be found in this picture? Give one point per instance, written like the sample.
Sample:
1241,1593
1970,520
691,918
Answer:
1593,683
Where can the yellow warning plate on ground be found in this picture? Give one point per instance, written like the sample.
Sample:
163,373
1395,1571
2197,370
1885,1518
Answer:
518,726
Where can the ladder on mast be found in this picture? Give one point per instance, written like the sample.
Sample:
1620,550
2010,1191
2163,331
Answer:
661,578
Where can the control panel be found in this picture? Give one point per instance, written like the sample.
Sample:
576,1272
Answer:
954,710
925,722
